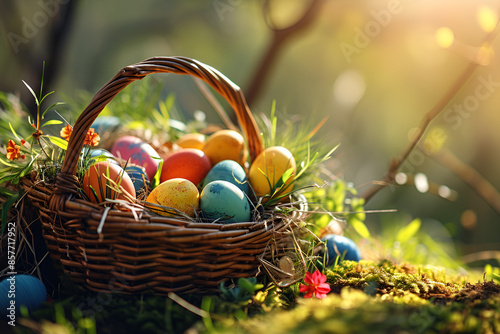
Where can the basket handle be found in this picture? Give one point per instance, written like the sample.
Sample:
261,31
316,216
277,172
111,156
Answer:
178,65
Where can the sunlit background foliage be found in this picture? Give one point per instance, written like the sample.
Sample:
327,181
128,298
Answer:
374,68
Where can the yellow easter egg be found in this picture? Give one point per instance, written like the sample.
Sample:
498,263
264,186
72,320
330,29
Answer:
268,168
180,194
191,140
225,145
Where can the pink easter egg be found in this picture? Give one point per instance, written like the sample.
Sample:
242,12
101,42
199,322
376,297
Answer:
139,152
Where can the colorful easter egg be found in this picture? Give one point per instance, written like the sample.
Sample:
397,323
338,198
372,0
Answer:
98,187
139,152
138,176
226,145
17,290
230,171
99,154
268,168
187,163
180,194
224,202
336,245
191,140
106,123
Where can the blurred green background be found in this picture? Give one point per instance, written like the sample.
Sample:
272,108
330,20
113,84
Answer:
374,68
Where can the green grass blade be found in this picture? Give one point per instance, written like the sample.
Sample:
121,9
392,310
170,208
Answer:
32,92
14,132
6,207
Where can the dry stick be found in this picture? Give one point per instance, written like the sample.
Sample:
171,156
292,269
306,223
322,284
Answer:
278,39
471,176
396,163
479,256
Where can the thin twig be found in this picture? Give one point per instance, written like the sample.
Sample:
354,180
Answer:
470,176
215,104
397,162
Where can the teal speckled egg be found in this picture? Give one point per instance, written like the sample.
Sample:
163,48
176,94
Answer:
230,171
225,202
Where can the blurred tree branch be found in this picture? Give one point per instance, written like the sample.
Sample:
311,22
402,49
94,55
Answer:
43,45
470,176
279,37
397,162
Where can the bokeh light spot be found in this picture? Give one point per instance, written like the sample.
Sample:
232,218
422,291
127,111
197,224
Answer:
421,183
485,54
468,219
401,178
487,18
349,88
445,37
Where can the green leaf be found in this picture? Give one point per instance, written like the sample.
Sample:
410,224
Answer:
52,122
32,92
43,98
157,178
407,232
206,305
14,132
58,142
6,192
360,227
6,207
51,106
8,163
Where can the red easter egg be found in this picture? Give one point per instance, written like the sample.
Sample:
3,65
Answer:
95,177
188,163
139,152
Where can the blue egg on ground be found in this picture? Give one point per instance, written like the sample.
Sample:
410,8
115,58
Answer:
224,202
138,176
341,244
106,123
17,290
230,171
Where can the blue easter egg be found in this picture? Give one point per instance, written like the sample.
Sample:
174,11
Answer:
17,290
230,171
225,202
99,154
106,123
138,175
342,244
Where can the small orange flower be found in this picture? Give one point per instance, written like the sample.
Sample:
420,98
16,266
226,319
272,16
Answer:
14,151
92,138
66,132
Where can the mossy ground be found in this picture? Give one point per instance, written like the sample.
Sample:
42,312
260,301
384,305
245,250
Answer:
366,297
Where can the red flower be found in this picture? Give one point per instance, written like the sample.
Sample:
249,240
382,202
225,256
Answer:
92,138
66,132
316,283
14,151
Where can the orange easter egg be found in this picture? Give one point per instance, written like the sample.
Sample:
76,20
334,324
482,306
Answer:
187,163
97,186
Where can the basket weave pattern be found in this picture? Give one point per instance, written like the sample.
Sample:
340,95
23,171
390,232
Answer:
121,251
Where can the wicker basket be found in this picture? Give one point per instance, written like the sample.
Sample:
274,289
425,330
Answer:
110,250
